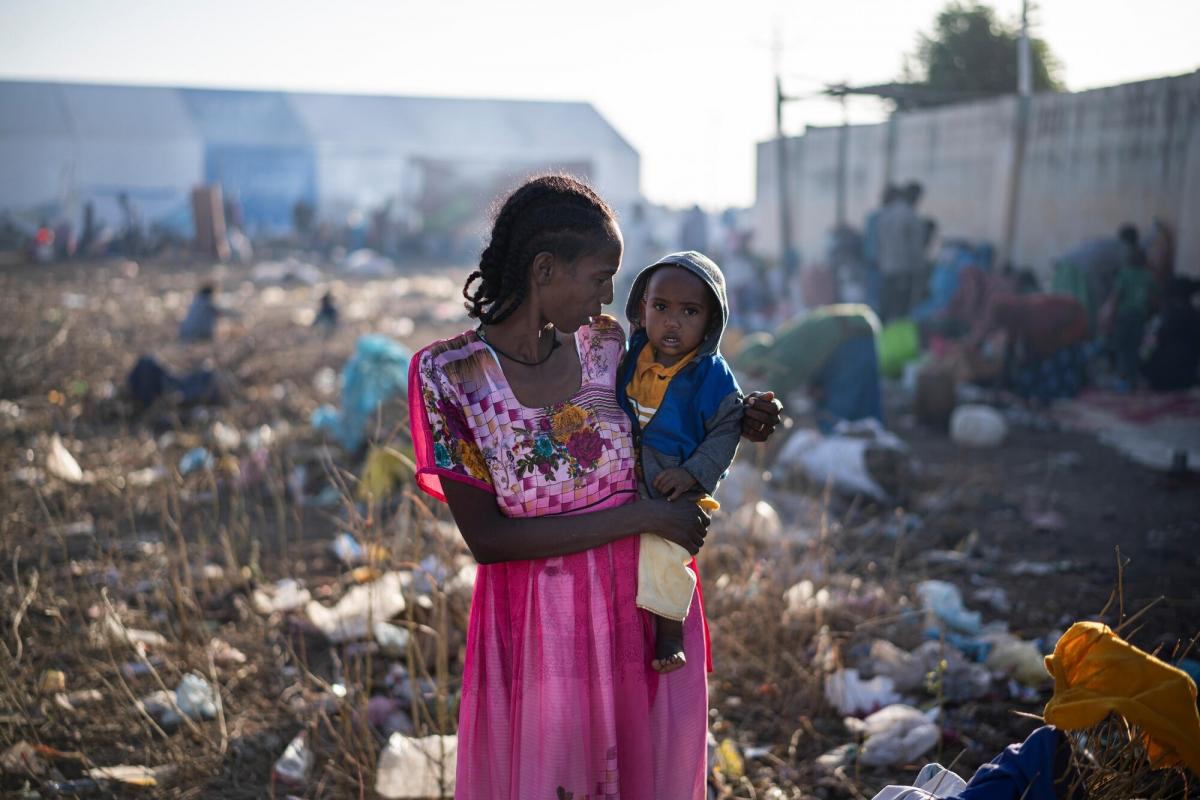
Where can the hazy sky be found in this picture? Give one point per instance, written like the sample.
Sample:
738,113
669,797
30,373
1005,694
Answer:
689,84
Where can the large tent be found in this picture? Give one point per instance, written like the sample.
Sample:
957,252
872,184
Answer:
433,161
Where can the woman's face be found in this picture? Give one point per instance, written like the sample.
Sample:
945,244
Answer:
575,292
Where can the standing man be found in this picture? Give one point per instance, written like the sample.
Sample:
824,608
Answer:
901,251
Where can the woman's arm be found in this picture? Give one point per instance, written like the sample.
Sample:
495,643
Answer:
493,537
762,416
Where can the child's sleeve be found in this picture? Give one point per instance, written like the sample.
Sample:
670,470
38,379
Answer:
444,446
722,409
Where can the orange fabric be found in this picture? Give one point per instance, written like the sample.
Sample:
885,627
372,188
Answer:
1096,672
650,381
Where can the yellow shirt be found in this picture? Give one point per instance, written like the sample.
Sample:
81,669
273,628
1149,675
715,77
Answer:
649,383
646,390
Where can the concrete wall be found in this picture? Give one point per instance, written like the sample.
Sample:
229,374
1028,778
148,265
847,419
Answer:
1093,160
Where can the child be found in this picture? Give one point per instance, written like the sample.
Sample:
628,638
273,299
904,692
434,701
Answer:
686,410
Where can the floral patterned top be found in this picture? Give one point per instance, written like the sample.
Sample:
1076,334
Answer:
468,426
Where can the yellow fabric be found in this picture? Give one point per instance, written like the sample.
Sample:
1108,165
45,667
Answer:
1096,672
384,471
665,584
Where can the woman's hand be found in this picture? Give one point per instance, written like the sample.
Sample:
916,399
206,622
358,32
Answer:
762,416
685,524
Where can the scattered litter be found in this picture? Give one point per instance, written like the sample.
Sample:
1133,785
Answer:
141,478
386,470
896,734
225,437
850,694
118,632
75,700
841,458
388,715
1045,520
841,756
932,783
729,761
144,777
61,464
52,681
1040,568
994,596
377,373
758,519
225,654
977,426
944,602
1020,659
195,698
366,263
23,758
412,768
293,768
392,639
353,615
76,787
160,706
194,459
347,549
286,595
290,270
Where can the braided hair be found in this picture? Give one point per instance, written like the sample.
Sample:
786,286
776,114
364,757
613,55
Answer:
556,214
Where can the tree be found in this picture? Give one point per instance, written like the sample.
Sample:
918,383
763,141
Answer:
971,53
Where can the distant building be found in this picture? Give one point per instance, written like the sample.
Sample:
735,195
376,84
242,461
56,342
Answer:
430,161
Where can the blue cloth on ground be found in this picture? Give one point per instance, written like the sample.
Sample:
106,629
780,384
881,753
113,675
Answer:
850,382
1026,771
377,372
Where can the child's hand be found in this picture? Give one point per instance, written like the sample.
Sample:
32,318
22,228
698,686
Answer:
673,483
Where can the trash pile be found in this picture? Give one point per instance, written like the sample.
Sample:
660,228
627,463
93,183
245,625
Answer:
236,591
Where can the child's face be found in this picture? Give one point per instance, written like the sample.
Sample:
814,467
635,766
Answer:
675,312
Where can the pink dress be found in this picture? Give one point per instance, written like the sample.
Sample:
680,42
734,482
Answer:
558,699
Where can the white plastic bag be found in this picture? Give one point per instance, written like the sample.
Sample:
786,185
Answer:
840,457
411,768
975,425
896,734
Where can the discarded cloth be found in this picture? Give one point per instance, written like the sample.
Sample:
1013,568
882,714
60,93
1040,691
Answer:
377,373
149,380
1096,672
385,470
1036,769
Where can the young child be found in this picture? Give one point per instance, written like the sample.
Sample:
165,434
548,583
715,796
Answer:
686,409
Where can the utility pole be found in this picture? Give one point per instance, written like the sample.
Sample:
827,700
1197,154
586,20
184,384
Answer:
842,165
1020,132
787,242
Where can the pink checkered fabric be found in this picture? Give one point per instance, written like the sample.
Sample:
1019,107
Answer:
558,459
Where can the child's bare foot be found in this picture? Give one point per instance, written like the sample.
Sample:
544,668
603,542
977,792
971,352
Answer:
668,646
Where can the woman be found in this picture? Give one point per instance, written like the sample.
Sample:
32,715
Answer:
516,426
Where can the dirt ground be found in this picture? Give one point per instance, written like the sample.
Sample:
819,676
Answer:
1040,518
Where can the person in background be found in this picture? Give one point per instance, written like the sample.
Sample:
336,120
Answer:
901,252
874,279
201,321
327,313
1043,339
1175,354
1089,271
1160,254
830,353
1131,301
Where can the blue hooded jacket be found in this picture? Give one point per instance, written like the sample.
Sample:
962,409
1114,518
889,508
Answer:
698,424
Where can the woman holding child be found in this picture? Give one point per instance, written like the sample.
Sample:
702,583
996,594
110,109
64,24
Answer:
516,425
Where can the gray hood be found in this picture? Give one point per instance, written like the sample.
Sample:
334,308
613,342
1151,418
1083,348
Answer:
703,268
